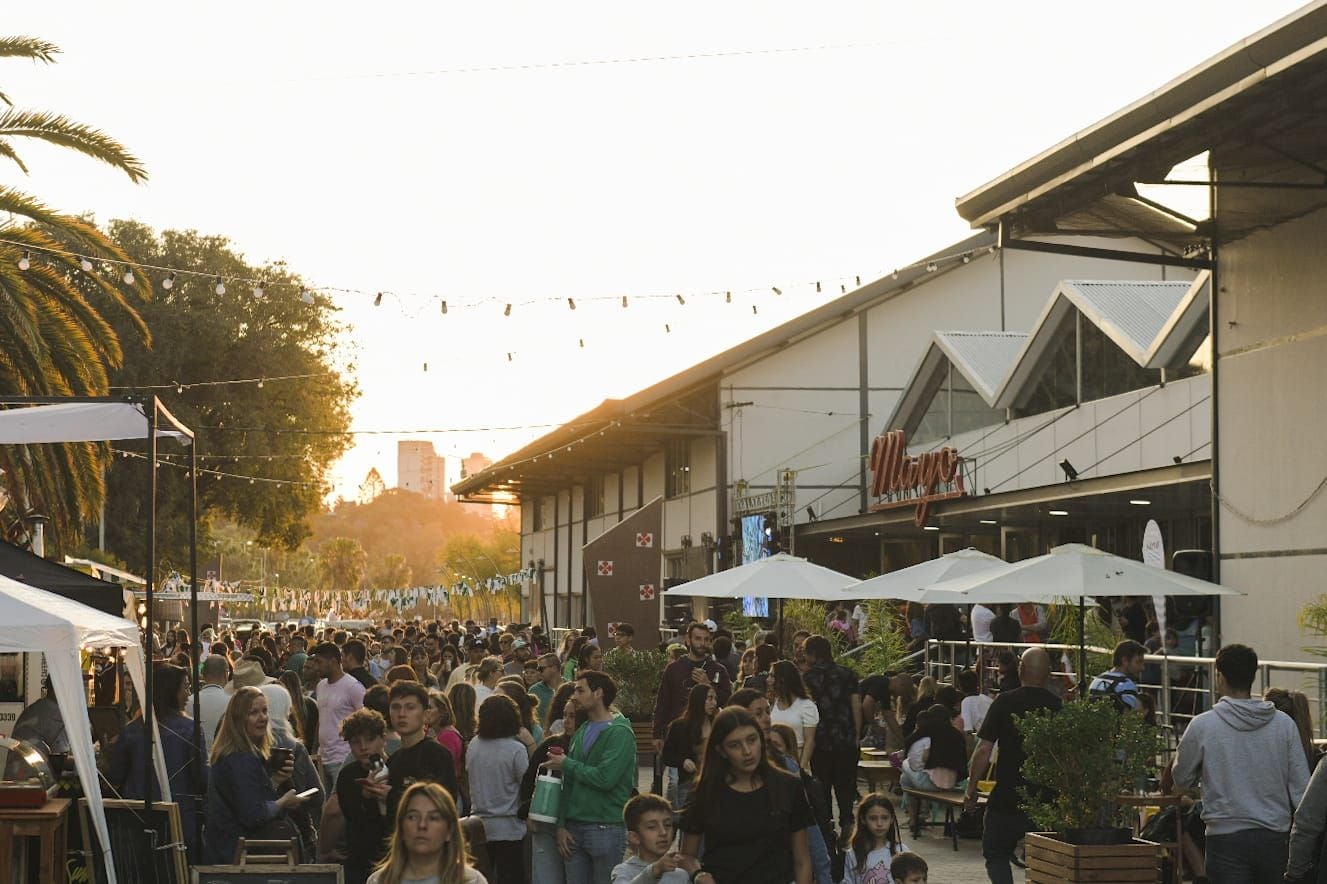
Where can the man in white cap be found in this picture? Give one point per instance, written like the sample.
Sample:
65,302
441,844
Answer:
520,652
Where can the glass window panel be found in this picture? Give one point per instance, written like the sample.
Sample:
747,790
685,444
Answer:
1108,370
934,424
970,411
1054,383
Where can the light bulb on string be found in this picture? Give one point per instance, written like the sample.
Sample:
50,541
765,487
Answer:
220,286
128,277
509,356
582,341
260,383
571,302
727,297
507,310
306,296
260,289
817,285
426,367
776,290
681,300
754,310
169,282
931,267
843,289
624,302
86,264
377,300
668,329
444,308
967,258
26,261
894,274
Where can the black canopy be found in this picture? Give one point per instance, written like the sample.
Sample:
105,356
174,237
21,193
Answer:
21,565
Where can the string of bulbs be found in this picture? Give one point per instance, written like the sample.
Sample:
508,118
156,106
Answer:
180,387
219,474
260,287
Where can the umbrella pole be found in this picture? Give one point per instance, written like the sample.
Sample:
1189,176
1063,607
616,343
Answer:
781,648
1082,649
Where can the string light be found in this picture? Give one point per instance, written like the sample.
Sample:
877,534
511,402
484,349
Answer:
129,277
509,356
507,310
85,263
220,287
624,302
260,383
817,285
931,267
26,261
727,297
668,329
753,309
582,340
967,259
260,289
681,300
444,308
571,302
776,290
377,301
169,282
307,296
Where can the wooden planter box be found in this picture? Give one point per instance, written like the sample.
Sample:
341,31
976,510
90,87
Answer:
1052,861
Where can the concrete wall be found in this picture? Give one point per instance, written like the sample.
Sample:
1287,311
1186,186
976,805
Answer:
1272,363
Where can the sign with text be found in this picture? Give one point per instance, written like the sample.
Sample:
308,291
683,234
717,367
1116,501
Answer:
920,480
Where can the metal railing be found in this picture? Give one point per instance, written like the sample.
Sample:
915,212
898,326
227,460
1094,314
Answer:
1184,686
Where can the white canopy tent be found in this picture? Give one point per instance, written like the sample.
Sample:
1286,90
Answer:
908,584
84,422
35,621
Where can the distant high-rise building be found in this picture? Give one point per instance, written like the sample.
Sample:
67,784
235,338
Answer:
421,469
372,486
475,463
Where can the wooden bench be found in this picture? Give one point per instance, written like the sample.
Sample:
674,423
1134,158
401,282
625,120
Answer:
951,799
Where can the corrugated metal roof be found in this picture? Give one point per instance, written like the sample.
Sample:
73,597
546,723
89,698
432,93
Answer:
1132,313
982,357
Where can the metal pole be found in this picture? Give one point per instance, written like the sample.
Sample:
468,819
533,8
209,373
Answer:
145,702
1082,648
195,647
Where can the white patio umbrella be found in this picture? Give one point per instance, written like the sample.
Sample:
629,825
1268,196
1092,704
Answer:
779,576
1077,571
909,584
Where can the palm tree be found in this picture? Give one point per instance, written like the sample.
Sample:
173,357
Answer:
55,337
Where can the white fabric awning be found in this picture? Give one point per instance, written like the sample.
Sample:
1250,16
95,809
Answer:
85,422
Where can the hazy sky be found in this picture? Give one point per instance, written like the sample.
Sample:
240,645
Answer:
448,150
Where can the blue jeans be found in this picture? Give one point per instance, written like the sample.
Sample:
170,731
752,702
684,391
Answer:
999,840
1249,856
545,861
598,847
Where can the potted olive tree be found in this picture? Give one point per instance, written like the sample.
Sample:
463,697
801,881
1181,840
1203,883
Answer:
1080,760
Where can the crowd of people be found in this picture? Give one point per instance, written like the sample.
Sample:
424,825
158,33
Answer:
404,750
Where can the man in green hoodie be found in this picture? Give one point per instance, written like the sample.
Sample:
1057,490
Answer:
598,772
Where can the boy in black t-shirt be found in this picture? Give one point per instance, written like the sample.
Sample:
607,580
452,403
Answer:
366,814
419,758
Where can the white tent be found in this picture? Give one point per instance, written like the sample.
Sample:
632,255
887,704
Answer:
84,422
779,576
33,620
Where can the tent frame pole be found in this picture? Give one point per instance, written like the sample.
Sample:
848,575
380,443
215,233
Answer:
145,702
195,646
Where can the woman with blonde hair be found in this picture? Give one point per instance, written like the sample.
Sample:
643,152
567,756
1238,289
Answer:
246,795
427,842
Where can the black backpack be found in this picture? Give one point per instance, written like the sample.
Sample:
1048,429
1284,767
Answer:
1107,686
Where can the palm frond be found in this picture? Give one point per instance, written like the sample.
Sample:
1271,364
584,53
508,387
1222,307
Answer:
60,130
7,151
34,48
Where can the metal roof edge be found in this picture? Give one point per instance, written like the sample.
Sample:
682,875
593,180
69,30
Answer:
1182,321
1225,74
908,401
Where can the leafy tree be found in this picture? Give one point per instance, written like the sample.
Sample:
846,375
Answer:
343,563
287,430
62,329
395,573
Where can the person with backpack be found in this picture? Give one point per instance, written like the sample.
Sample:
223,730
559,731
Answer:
1120,684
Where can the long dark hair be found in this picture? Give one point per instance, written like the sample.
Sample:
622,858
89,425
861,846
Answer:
788,684
715,769
558,704
861,835
693,719
947,747
166,689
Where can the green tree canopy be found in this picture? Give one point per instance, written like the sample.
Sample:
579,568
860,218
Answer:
290,431
343,563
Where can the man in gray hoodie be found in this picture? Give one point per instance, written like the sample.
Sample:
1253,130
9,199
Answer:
1249,759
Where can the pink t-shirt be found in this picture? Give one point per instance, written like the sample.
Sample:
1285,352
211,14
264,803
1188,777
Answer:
336,701
450,739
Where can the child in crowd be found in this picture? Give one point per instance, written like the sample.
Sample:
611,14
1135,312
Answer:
649,823
875,843
908,868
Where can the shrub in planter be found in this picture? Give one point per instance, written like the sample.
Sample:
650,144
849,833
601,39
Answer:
1082,758
638,676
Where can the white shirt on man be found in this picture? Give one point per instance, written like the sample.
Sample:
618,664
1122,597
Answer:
336,701
982,618
212,703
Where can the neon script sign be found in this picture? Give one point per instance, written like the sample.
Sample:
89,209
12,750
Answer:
919,480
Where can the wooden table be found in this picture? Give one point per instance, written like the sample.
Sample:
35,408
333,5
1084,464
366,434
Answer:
1162,801
878,771
45,823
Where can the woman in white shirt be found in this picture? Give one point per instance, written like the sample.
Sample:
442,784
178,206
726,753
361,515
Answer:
790,704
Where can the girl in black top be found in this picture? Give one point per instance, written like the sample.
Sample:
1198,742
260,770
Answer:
751,816
684,743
